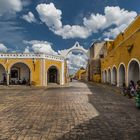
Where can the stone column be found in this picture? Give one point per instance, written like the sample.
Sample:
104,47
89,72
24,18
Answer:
30,80
8,77
43,73
62,73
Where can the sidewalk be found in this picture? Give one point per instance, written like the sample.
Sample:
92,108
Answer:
114,88
111,87
5,87
117,90
56,86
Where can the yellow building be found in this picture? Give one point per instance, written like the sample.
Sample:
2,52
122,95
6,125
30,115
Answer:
83,76
32,69
122,57
78,74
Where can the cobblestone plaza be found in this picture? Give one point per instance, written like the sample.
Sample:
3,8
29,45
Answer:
77,112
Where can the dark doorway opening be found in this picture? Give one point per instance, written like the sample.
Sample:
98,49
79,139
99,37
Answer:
3,76
52,75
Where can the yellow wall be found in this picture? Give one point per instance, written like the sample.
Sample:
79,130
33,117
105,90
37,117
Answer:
57,64
35,67
79,74
66,72
83,76
97,78
35,71
120,48
132,28
121,54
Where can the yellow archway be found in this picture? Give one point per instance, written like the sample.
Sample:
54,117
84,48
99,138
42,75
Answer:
53,75
3,75
20,74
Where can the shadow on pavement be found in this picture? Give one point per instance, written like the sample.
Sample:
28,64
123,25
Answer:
118,118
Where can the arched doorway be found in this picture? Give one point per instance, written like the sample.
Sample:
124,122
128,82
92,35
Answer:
76,47
53,75
133,71
114,76
109,76
76,58
3,77
121,75
105,76
20,74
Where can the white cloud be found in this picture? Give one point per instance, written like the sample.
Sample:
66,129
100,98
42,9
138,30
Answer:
34,42
117,16
113,32
52,16
27,50
74,31
106,39
41,47
29,17
94,22
10,6
3,48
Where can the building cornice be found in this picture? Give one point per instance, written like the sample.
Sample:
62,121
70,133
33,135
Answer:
31,55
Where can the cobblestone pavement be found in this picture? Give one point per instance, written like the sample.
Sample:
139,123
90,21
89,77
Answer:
78,112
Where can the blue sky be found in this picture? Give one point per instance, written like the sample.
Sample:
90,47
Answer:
57,24
14,29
